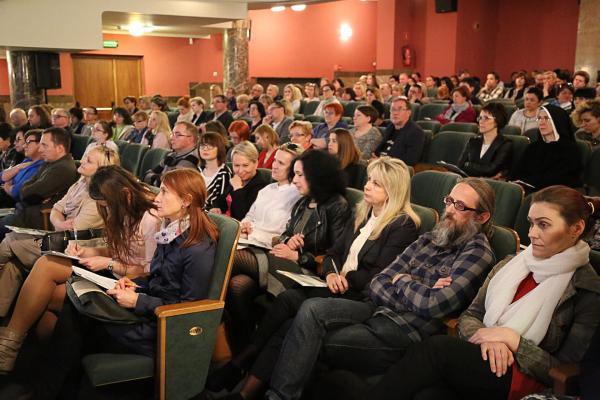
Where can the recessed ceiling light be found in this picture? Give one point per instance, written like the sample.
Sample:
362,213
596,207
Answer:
277,8
298,7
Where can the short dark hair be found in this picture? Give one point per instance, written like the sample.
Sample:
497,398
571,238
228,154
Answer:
60,137
322,171
6,130
260,107
76,112
37,133
495,75
536,91
123,113
328,85
131,99
586,76
499,113
370,112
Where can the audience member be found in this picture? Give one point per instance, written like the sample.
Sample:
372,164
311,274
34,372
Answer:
587,118
581,79
292,95
184,108
341,144
372,80
144,104
76,118
360,91
256,91
213,168
386,92
122,124
200,116
184,155
348,94
130,103
328,98
460,110
268,140
373,94
301,134
273,92
489,154
564,98
279,121
415,94
366,136
311,92
550,85
526,118
583,94
159,103
238,133
242,103
160,131
17,117
140,127
10,156
38,117
257,113
517,90
102,136
473,86
60,118
492,89
90,117
221,113
333,119
403,139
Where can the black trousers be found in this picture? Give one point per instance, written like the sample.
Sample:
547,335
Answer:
442,363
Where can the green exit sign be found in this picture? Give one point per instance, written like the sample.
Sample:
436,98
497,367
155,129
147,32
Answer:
111,44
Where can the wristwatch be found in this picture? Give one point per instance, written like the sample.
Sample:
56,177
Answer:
110,266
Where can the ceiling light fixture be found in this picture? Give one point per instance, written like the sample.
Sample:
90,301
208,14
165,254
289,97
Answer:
137,29
277,8
345,32
298,7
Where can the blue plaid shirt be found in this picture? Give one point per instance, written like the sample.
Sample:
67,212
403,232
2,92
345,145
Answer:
411,302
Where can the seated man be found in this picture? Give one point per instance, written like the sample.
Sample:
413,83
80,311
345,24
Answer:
48,185
18,117
436,276
403,139
492,89
277,119
184,155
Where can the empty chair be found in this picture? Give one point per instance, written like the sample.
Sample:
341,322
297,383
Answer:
447,146
431,110
428,188
132,157
433,126
470,127
78,145
509,197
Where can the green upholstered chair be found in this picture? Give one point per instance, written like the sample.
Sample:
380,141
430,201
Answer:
172,115
510,109
310,108
132,157
447,146
347,120
350,106
78,145
433,126
354,196
431,92
519,144
186,335
314,119
429,217
265,173
414,111
504,242
585,152
151,159
298,117
511,130
302,106
431,110
428,138
469,127
520,103
508,200
121,144
533,134
521,222
592,174
427,188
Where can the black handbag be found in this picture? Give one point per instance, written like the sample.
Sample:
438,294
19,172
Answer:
58,241
92,301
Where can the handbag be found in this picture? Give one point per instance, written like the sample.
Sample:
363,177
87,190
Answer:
58,241
92,301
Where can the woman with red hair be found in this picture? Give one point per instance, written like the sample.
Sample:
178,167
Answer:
239,132
333,120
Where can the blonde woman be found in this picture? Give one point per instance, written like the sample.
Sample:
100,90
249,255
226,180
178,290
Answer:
243,104
158,123
360,89
267,139
384,224
292,94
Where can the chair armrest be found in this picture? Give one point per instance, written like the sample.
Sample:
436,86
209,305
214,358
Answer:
565,378
451,325
319,262
189,307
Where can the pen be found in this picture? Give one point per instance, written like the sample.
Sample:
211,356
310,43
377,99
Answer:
75,236
337,273
132,284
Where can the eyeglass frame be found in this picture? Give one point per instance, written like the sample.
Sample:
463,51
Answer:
459,205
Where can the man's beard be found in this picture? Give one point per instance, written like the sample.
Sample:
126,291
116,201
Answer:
447,233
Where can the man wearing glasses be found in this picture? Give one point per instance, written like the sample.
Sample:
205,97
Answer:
221,113
60,118
184,155
403,139
436,276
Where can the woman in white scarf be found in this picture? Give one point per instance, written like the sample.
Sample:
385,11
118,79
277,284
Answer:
534,311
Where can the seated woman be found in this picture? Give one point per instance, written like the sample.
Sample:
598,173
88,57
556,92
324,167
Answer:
553,159
180,271
587,118
301,134
383,225
102,136
243,187
360,91
13,178
460,110
242,103
366,136
238,133
160,131
77,124
526,118
214,170
564,98
75,211
140,127
293,96
348,94
200,116
443,93
122,123
517,91
534,311
341,144
311,92
488,154
257,113
317,221
129,216
268,140
333,120
373,94
185,109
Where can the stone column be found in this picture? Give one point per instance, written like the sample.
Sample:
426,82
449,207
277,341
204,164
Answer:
21,79
235,57
587,56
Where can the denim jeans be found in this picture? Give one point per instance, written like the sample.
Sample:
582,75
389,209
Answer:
338,323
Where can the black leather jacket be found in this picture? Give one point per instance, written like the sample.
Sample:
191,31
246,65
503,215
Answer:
496,159
324,227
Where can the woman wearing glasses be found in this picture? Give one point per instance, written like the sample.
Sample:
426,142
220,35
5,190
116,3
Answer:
102,135
213,151
43,292
328,98
488,154
384,224
552,159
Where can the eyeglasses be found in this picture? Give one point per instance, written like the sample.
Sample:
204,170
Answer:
59,116
544,118
485,118
99,130
458,205
396,109
206,146
180,135
31,141
296,134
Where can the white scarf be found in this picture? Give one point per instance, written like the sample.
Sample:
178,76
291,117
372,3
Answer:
170,230
530,315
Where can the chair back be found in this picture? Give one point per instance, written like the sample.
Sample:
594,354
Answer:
504,242
592,174
313,118
78,145
429,217
350,106
354,196
265,174
448,146
585,152
519,144
427,188
309,108
521,222
431,110
469,127
433,126
508,200
121,144
511,130
229,233
151,159
132,157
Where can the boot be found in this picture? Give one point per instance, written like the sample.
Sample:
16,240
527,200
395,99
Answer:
10,343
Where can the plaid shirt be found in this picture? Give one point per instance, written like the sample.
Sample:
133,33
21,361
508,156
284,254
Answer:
487,95
411,302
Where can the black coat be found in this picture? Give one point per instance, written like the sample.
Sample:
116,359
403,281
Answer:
496,159
321,231
241,199
375,255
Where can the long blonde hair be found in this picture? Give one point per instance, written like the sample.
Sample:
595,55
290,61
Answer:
395,178
162,125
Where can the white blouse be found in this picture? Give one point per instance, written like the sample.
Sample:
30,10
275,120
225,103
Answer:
351,263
